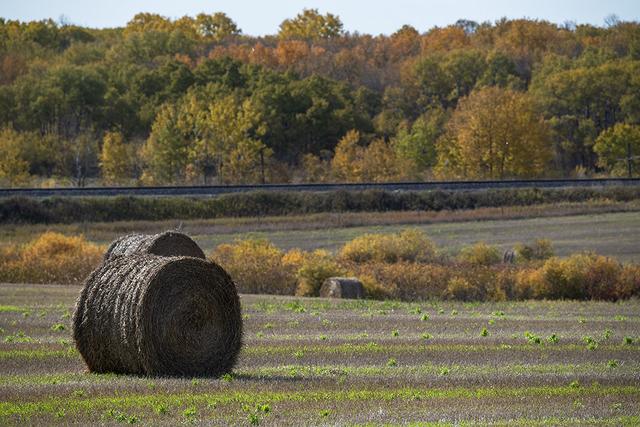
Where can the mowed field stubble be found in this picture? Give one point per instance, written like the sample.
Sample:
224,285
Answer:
311,361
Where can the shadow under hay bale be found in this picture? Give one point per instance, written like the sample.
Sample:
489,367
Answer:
342,287
169,243
150,315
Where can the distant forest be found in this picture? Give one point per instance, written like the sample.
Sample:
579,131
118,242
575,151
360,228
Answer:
194,100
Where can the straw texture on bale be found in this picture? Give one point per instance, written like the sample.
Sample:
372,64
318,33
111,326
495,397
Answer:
150,315
342,287
169,243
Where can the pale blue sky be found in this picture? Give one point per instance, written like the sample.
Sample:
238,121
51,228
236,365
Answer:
372,16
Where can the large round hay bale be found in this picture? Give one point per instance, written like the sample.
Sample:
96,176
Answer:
151,315
342,287
169,243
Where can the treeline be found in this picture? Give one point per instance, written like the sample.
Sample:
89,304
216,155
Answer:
66,210
193,100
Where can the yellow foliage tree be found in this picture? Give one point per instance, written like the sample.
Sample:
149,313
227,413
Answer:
347,162
115,159
493,134
14,169
380,163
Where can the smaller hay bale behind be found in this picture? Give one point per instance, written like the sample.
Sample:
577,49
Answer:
342,287
169,243
150,315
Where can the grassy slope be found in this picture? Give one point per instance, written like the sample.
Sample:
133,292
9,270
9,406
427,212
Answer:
314,361
608,228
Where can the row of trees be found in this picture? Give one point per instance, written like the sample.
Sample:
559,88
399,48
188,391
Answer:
194,100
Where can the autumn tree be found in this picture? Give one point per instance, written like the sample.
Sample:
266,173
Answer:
346,165
14,169
315,168
380,163
493,134
618,149
311,25
116,159
216,27
166,151
225,133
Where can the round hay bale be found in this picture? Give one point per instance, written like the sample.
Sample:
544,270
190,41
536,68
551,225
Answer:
169,243
151,315
342,287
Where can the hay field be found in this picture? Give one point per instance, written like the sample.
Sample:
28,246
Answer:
315,361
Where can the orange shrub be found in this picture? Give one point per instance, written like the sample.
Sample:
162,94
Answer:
408,281
256,266
50,258
601,277
581,276
629,282
502,288
530,283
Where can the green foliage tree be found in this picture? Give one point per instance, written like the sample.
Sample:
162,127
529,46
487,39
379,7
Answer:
417,144
226,134
618,149
216,27
311,25
63,86
166,151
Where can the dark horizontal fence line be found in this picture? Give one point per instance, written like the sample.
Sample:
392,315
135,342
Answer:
213,190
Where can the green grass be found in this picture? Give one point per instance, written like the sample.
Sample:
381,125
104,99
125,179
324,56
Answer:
12,309
74,404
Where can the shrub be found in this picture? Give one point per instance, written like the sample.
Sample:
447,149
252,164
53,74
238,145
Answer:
256,266
601,277
408,245
480,254
629,282
459,288
502,287
541,249
374,290
50,258
582,276
315,268
260,203
407,281
530,283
